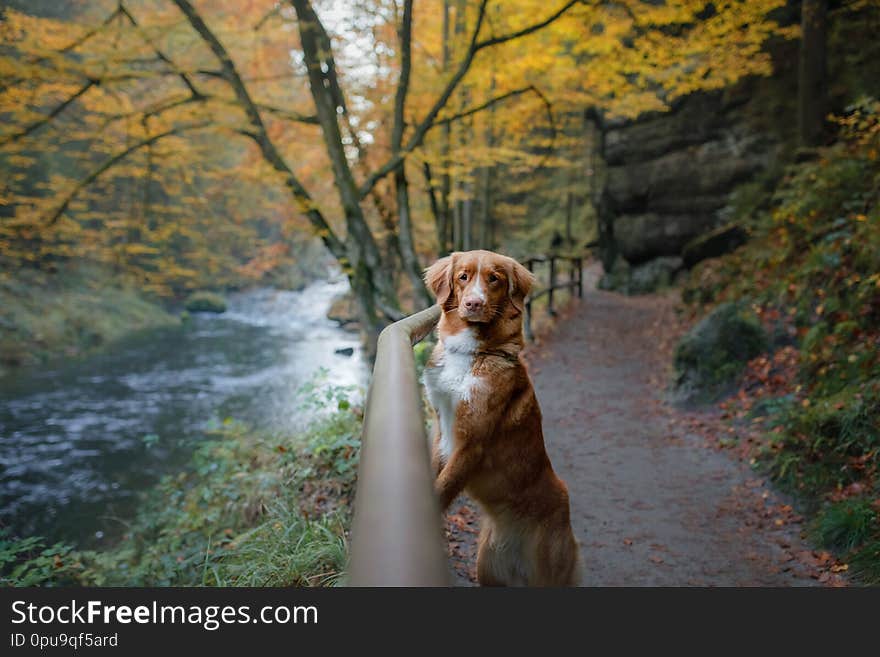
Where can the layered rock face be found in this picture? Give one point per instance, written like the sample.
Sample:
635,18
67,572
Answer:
666,202
669,176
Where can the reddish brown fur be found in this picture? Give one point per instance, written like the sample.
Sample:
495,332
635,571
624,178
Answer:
498,455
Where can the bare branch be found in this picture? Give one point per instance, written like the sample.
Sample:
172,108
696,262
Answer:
159,107
484,106
162,57
474,47
289,115
494,41
275,11
116,159
51,115
73,44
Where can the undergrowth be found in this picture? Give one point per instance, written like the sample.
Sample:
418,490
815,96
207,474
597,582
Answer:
252,509
811,271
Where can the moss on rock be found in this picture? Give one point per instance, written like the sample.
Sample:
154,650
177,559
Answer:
205,302
45,315
715,351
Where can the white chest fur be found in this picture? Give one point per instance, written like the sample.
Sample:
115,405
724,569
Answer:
451,381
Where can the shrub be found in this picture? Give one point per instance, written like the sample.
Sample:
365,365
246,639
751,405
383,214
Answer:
716,350
205,302
845,525
813,264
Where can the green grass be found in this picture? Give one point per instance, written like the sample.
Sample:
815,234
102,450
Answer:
252,509
845,525
828,444
45,315
865,563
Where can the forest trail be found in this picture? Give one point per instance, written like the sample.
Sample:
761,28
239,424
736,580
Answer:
652,504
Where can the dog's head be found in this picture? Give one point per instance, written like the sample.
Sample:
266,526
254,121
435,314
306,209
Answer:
480,285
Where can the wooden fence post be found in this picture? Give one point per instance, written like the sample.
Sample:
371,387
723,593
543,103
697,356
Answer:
580,266
528,318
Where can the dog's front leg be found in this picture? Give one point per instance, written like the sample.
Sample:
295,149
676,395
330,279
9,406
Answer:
456,473
436,454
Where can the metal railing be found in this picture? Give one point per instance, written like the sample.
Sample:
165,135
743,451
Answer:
575,282
396,533
397,539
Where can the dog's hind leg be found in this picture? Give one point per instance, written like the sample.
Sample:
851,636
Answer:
489,560
556,558
500,559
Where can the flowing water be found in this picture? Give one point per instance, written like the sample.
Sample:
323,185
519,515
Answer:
80,439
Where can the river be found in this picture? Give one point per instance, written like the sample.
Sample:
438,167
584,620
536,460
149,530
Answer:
80,439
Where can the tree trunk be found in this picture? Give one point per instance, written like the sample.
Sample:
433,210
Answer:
604,207
486,233
436,211
407,246
365,268
408,255
813,75
487,237
446,229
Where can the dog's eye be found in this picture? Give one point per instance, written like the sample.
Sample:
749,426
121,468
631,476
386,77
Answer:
492,278
462,277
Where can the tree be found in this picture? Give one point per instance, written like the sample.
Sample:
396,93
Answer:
357,251
149,91
812,73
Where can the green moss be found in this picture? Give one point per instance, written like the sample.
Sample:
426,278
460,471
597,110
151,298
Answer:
205,302
43,315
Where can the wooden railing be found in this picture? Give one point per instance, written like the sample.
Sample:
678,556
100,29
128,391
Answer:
575,283
396,534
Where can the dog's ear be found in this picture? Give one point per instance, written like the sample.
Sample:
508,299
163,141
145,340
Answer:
519,283
438,278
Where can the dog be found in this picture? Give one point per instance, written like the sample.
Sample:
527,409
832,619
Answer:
487,437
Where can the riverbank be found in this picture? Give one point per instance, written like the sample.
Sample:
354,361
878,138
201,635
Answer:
70,313
251,509
80,438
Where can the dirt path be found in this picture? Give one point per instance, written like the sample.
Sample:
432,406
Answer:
652,504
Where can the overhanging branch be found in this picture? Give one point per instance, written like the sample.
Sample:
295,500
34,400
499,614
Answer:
259,133
51,115
112,161
474,47
488,104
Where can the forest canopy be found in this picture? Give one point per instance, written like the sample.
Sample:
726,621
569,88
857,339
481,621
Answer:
184,143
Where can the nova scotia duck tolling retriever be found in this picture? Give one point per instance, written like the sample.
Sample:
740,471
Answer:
487,437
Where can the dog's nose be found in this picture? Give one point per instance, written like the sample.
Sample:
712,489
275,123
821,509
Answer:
473,304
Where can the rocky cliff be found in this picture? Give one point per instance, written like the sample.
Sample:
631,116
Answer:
670,176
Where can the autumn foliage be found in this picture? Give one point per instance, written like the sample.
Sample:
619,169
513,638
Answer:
183,144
